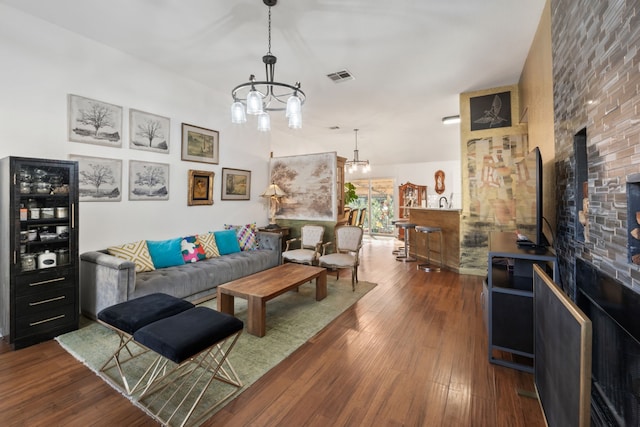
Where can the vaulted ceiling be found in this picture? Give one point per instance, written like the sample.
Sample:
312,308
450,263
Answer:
410,58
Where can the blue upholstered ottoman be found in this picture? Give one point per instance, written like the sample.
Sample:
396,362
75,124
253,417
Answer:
188,333
129,316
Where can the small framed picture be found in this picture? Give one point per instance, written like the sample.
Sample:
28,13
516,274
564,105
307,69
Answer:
148,132
94,122
100,179
200,144
236,184
200,188
148,181
490,111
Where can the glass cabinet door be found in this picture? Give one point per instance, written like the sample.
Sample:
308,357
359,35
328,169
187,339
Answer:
45,217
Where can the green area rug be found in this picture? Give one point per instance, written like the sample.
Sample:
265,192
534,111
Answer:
292,319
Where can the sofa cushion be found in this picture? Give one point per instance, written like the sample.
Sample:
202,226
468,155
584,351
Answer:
246,235
208,242
166,253
136,252
192,250
227,242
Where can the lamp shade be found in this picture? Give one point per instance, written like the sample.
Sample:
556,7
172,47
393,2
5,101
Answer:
264,122
273,191
238,115
294,106
295,121
254,102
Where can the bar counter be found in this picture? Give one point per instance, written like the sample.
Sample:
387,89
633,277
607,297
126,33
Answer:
449,221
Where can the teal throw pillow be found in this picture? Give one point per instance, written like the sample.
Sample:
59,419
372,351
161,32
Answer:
166,253
227,242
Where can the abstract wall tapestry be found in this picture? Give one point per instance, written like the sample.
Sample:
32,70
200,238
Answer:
492,177
310,184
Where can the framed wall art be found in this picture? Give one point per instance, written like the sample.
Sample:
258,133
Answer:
200,190
99,179
148,181
200,144
236,184
148,132
94,122
490,111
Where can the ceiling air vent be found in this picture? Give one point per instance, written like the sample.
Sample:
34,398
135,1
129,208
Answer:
341,76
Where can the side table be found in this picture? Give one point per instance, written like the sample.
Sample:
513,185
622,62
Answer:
283,231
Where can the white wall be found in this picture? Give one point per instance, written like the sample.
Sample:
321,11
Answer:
42,63
420,174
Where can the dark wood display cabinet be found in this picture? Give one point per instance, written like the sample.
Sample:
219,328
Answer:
39,288
507,298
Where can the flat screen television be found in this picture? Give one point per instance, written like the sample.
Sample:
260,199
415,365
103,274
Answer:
528,201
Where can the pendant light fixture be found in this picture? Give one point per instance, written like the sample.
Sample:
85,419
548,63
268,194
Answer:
353,165
260,97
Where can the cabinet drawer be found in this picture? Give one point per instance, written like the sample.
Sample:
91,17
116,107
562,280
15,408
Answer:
36,283
58,296
44,321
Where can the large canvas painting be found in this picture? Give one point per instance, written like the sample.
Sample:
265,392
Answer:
310,184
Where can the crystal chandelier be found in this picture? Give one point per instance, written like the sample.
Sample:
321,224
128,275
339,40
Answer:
259,97
353,165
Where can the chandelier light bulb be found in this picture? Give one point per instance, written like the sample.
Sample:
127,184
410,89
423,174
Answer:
238,115
264,122
293,106
295,121
254,102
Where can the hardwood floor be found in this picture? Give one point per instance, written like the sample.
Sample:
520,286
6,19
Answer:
411,352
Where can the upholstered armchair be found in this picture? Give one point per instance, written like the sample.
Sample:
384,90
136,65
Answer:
346,253
310,245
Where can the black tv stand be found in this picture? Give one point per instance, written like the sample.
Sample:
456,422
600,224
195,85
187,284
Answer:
508,298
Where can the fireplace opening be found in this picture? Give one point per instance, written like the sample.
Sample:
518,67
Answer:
613,309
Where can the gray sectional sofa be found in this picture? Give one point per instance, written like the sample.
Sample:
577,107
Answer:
106,280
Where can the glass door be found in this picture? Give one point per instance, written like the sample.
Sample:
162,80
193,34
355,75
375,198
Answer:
375,196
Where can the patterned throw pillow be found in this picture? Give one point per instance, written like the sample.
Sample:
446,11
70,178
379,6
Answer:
192,250
246,235
137,252
208,242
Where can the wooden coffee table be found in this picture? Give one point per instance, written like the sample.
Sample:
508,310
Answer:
259,288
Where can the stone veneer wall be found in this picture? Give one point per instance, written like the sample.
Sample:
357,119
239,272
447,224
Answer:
596,72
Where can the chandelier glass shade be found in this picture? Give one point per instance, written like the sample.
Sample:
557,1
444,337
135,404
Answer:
353,165
261,97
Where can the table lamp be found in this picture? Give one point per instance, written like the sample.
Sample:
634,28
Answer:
274,193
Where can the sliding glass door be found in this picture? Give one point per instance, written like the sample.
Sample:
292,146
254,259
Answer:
376,196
